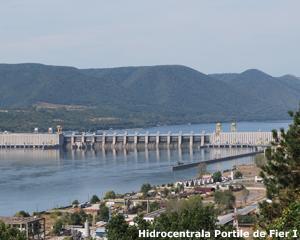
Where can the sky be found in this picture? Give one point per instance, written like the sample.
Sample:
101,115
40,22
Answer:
212,36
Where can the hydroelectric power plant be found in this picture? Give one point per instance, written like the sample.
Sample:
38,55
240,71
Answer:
106,140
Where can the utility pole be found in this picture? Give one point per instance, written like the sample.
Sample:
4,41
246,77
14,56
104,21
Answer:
235,219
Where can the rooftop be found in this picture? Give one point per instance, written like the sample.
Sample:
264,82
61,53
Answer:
19,220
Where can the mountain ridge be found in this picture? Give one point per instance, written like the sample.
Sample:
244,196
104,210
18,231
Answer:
143,95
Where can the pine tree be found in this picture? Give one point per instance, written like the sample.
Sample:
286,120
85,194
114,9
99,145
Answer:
281,174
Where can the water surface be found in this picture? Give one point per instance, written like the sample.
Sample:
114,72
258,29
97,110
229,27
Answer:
35,180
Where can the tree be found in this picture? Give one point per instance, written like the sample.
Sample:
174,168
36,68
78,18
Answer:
260,160
289,220
245,194
9,233
281,173
238,175
75,203
225,199
110,195
117,228
78,218
154,206
22,214
58,227
165,192
217,176
94,199
145,188
103,213
181,215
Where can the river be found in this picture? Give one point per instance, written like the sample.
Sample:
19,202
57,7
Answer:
36,180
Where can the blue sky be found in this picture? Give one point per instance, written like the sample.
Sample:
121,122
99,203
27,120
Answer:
208,35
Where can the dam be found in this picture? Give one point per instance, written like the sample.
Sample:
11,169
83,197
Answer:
123,140
131,140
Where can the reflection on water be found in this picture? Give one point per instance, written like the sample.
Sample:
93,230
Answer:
41,179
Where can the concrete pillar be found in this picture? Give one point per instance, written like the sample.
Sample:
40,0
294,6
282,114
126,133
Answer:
191,153
157,138
83,140
114,140
72,141
202,141
125,138
157,154
179,138
147,138
135,138
93,138
103,139
191,139
180,154
147,154
169,138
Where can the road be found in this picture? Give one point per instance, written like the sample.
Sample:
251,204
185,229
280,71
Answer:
243,211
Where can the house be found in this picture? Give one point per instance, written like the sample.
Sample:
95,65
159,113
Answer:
34,227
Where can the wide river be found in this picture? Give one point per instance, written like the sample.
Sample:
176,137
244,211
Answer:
36,180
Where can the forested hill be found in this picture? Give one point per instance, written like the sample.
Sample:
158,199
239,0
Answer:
136,96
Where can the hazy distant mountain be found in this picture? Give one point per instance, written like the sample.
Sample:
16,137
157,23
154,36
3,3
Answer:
148,94
276,93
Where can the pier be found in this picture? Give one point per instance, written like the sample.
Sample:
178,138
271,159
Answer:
195,164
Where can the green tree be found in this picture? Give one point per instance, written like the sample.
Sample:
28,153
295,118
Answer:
103,213
288,221
245,194
225,199
181,215
238,175
94,199
217,176
145,188
75,203
22,214
281,173
58,227
260,160
110,195
117,228
77,218
154,206
9,233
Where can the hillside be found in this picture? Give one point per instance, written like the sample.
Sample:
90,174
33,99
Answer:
41,95
275,94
